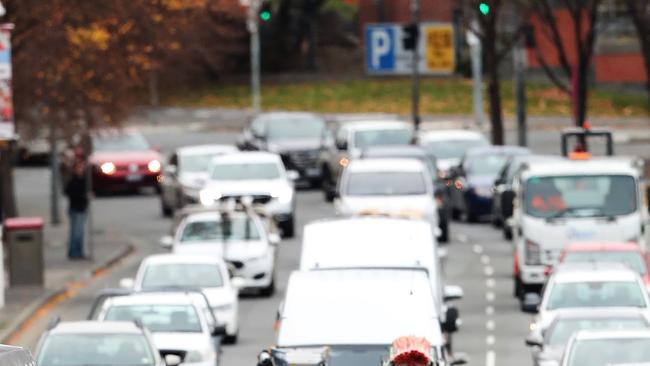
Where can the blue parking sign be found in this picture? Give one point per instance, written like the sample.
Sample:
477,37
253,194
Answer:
380,48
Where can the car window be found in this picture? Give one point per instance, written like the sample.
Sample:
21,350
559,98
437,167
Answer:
119,142
181,275
96,349
295,128
158,318
452,149
363,138
246,171
385,184
486,164
605,352
596,294
560,332
632,259
237,229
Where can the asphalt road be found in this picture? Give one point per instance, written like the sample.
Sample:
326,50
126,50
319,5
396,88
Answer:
493,328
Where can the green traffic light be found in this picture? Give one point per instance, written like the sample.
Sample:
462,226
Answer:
265,15
484,8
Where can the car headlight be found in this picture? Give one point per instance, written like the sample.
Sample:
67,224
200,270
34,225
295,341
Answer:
533,253
154,166
208,197
284,194
198,356
108,168
483,191
224,307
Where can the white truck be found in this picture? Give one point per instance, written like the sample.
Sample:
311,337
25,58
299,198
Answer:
574,200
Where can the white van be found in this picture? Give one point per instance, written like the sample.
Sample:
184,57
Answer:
358,313
380,242
15,356
566,201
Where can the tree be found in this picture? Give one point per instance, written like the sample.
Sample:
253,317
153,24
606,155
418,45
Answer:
639,11
574,80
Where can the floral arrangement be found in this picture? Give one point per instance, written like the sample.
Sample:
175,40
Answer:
410,351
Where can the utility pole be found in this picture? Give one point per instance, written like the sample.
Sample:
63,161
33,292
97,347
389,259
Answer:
254,30
519,55
477,72
415,83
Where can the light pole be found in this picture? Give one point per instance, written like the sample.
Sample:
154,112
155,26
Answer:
415,83
253,28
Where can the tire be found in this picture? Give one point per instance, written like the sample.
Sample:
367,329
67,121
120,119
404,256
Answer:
166,210
288,228
269,291
316,183
517,288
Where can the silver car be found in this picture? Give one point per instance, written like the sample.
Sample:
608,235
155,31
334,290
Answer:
605,348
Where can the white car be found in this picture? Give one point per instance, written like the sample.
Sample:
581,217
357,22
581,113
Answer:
176,320
380,242
449,146
587,286
258,175
358,313
207,273
401,187
607,347
186,173
248,246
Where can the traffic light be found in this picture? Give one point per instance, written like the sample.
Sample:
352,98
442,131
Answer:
265,12
484,8
411,35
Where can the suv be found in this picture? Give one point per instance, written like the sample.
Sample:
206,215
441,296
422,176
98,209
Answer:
347,141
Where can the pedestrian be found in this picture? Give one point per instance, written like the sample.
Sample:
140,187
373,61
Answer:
77,191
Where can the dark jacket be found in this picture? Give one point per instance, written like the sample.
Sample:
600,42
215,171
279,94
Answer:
77,193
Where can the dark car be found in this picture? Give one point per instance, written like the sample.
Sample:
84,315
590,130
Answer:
123,160
296,136
503,196
419,153
471,182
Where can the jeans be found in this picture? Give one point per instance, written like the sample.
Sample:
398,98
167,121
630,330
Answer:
77,229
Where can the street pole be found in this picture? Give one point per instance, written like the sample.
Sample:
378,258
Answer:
253,28
415,82
519,55
55,179
477,73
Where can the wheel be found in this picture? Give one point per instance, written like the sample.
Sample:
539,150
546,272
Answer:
328,185
166,210
269,290
288,228
315,183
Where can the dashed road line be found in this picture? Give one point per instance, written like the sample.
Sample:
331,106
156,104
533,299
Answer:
490,325
489,271
490,358
490,283
489,310
477,249
489,296
485,259
490,340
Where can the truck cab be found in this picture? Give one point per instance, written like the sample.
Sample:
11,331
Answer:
568,201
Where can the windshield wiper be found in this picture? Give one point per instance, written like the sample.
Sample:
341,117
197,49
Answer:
562,213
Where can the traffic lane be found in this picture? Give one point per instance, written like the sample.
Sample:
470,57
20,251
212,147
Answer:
493,327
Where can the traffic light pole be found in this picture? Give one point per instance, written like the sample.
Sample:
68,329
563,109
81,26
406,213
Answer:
253,28
415,87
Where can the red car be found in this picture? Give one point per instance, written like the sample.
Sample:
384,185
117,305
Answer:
123,160
629,254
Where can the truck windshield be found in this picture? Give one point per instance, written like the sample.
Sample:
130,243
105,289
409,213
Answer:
580,196
358,355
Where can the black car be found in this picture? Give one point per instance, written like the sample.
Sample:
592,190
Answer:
419,153
503,196
471,182
296,136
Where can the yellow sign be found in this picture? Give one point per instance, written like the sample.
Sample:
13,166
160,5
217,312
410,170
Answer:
440,56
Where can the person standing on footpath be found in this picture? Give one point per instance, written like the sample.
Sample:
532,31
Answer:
77,191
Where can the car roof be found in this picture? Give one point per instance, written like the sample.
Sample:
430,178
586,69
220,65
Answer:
596,166
602,247
206,149
397,151
182,259
353,306
367,242
271,116
588,313
593,272
247,157
498,150
96,327
444,135
386,165
611,334
378,124
154,298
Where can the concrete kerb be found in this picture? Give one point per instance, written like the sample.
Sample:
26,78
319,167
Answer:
59,294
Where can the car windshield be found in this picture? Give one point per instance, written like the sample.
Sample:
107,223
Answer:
120,142
96,350
606,352
246,171
181,275
560,332
452,149
580,196
386,184
632,259
596,294
363,139
358,355
485,164
295,128
196,163
159,318
234,229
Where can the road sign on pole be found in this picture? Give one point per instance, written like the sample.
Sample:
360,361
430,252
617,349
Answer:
477,70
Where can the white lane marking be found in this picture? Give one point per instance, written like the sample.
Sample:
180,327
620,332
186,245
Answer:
489,325
490,358
489,296
477,249
489,271
490,282
485,259
489,310
490,340
462,238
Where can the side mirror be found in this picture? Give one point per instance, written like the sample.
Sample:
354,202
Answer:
342,145
459,359
293,175
530,303
218,330
127,283
167,242
265,359
507,203
452,320
534,339
238,282
274,238
172,360
451,293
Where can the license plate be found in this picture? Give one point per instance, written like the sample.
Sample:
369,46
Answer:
134,178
